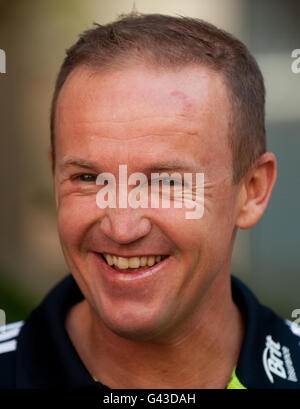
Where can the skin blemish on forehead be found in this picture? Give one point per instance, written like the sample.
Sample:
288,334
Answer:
186,103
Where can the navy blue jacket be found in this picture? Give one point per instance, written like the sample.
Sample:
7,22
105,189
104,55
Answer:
38,354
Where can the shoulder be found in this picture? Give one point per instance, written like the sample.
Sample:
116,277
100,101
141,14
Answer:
281,354
8,347
270,354
38,353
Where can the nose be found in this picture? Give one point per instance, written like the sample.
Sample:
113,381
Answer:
125,226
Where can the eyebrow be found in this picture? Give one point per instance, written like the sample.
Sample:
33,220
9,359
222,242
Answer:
171,165
175,165
72,161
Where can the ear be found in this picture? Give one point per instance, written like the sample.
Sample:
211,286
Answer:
256,190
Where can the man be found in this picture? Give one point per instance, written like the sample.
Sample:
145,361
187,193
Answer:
151,303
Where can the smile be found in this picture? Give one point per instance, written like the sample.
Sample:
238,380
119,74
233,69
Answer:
128,264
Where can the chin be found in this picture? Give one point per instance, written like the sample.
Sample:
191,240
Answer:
135,327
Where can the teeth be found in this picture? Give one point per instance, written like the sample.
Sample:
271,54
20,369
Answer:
123,262
109,259
150,261
132,262
143,261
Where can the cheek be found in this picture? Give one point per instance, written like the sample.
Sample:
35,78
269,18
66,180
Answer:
207,238
76,214
185,234
218,228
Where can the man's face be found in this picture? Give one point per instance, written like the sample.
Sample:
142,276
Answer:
152,121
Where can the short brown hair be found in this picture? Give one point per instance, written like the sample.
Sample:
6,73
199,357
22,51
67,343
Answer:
169,41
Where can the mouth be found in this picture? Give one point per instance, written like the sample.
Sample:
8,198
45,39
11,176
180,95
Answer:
132,264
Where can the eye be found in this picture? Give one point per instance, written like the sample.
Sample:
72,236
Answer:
171,182
86,177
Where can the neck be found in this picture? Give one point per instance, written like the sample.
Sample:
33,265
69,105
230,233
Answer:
202,353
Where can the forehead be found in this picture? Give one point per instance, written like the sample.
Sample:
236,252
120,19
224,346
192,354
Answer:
183,106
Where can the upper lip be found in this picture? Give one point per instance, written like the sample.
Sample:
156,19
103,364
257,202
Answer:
147,254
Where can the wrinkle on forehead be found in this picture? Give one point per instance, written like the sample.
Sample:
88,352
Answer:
169,126
114,115
139,118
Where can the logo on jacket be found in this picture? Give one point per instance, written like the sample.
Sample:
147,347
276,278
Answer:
277,361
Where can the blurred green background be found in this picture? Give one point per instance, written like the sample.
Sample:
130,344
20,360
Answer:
34,35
